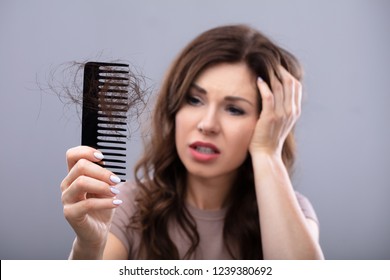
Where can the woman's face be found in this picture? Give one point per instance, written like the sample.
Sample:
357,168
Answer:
215,124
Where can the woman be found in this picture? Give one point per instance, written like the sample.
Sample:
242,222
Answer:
213,182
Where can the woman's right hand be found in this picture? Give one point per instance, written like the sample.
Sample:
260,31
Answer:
88,197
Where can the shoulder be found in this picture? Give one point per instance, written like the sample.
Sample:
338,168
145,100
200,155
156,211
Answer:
128,192
306,207
121,222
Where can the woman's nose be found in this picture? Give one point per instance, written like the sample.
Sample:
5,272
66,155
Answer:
209,123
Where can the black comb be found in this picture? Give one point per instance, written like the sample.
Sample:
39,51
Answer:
104,113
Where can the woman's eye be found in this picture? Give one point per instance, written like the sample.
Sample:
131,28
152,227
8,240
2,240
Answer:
235,111
192,100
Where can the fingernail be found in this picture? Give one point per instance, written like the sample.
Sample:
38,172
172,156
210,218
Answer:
117,201
115,179
114,190
98,155
259,79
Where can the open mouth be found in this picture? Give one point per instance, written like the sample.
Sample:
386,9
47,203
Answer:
204,148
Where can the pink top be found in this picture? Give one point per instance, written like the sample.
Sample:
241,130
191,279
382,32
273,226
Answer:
209,224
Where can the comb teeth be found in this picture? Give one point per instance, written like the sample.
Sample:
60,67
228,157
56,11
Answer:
105,105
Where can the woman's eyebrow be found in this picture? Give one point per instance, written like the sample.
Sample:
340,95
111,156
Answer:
198,88
227,98
237,98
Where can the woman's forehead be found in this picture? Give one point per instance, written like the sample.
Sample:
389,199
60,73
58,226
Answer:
228,79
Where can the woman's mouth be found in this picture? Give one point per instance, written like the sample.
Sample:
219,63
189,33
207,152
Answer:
204,152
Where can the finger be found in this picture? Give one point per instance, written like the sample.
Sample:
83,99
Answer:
73,155
267,98
289,87
79,210
83,185
298,98
278,92
84,167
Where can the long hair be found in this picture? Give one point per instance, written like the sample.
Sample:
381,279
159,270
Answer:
161,175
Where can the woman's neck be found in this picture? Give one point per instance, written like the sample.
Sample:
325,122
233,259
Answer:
209,194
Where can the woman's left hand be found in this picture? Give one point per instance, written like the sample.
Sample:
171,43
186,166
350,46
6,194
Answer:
281,108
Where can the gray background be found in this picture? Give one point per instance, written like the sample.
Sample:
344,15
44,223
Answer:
343,134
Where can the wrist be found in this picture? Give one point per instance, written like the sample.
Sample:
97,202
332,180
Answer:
83,250
264,153
267,162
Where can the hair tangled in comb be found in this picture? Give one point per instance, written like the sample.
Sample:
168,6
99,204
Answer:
66,81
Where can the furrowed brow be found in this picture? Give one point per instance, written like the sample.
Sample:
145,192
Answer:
198,88
231,98
237,98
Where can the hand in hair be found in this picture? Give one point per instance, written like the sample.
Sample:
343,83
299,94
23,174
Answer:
88,197
286,232
281,109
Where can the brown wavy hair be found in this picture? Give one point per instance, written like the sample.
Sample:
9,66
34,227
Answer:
161,175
